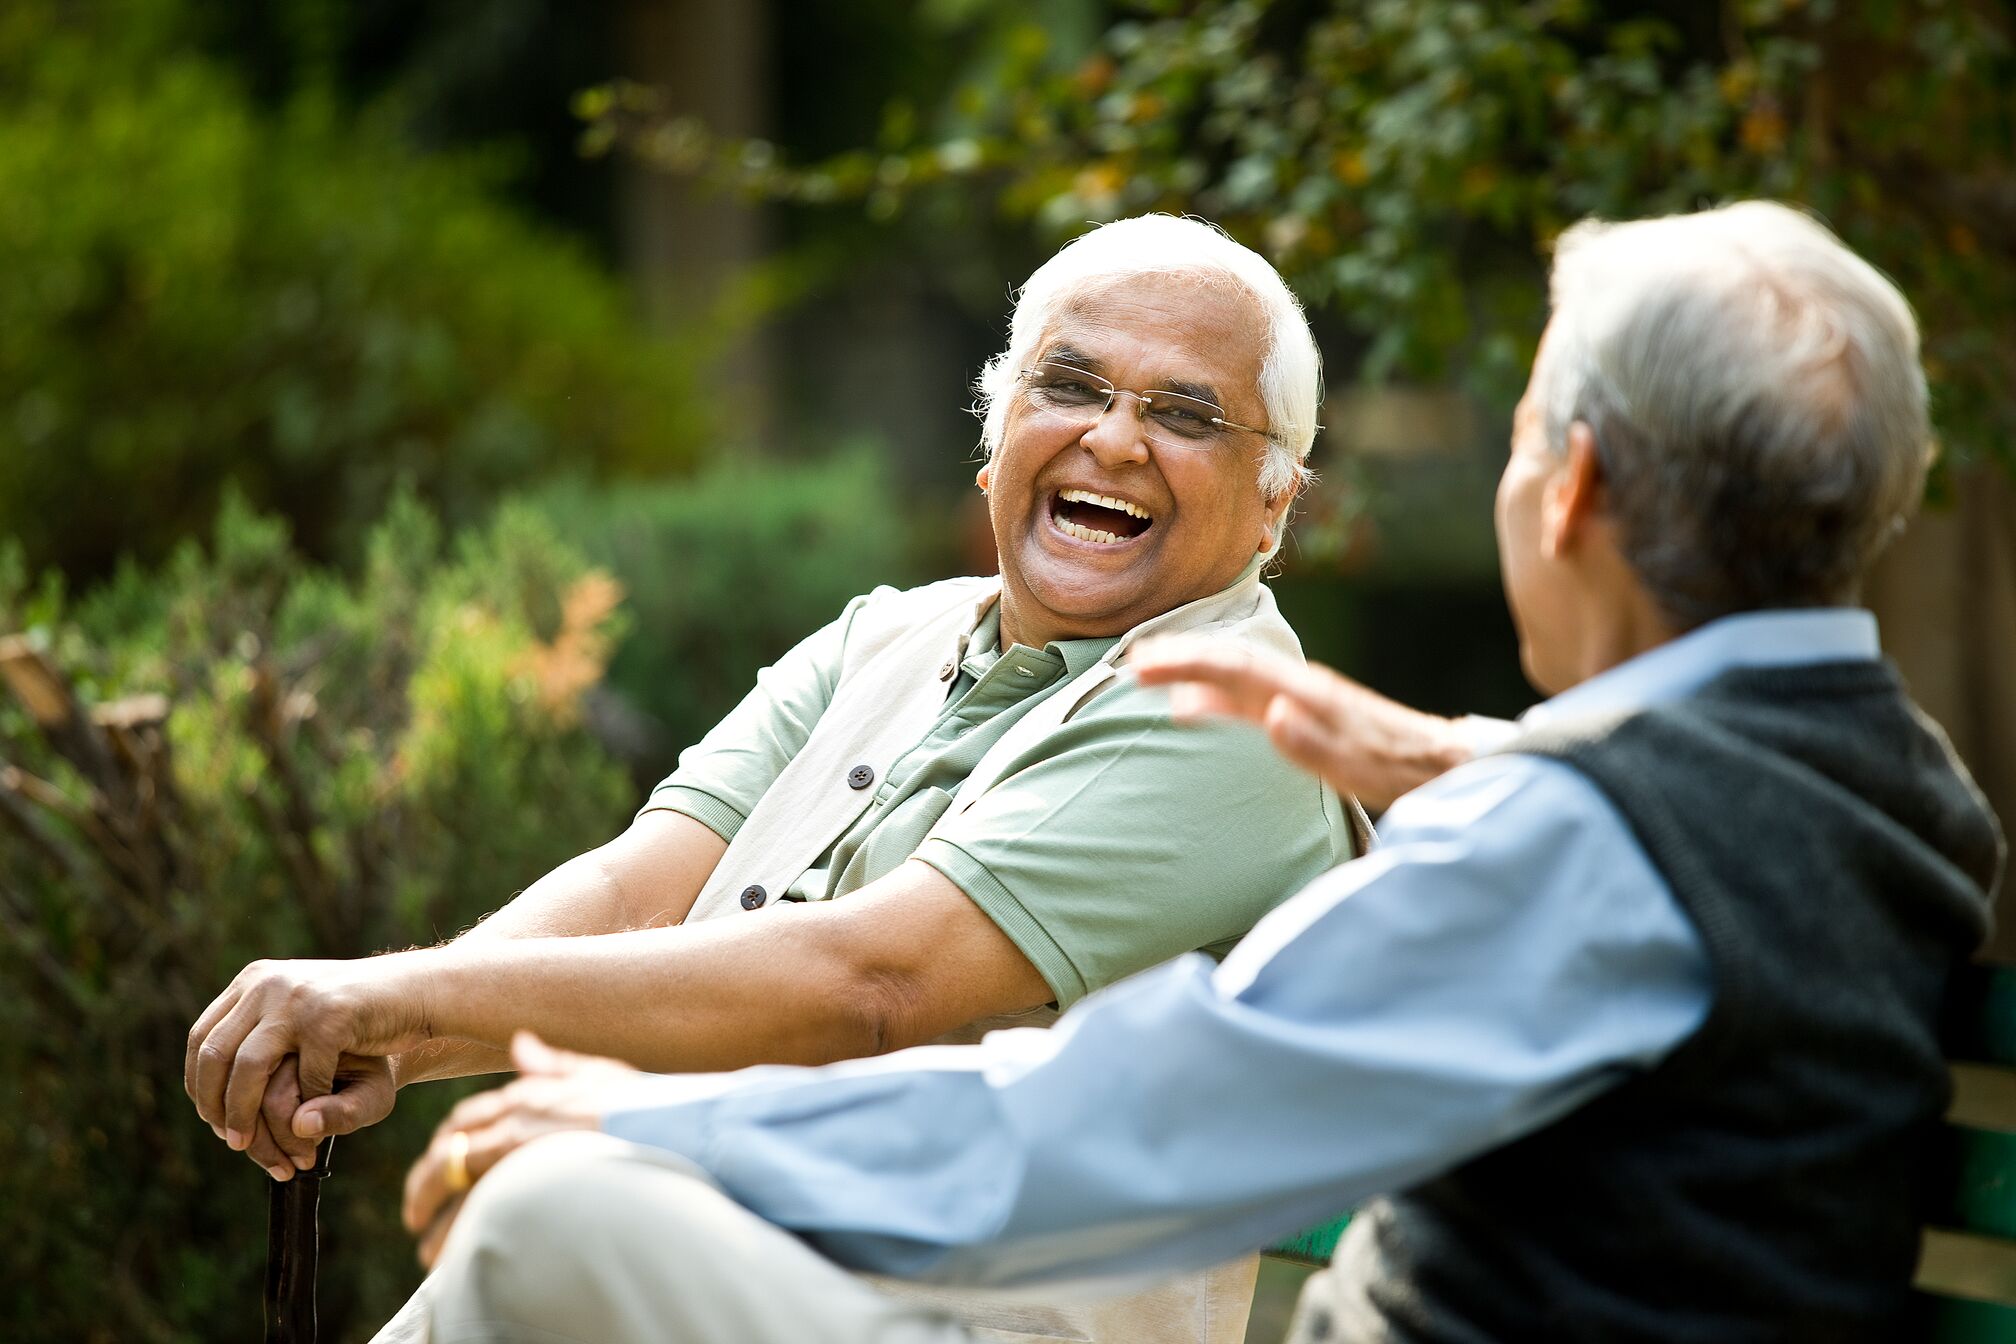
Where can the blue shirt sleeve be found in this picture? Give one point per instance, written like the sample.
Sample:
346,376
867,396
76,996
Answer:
1506,954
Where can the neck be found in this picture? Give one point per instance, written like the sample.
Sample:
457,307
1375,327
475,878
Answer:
1619,631
1016,628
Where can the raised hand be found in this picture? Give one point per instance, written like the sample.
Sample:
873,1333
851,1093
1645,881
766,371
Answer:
1356,740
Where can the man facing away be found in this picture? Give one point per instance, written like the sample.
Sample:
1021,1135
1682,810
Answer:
1626,1032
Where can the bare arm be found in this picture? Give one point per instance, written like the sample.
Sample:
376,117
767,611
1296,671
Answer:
647,877
901,961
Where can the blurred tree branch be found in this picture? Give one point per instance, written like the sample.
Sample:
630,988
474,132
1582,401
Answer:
1408,164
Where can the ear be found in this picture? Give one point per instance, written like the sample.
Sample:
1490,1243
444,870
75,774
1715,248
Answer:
1270,531
1573,497
983,476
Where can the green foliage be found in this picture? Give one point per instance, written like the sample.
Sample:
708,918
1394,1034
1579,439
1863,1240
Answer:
273,760
1406,162
724,572
200,291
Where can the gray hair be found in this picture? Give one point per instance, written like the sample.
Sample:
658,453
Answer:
1756,399
1291,369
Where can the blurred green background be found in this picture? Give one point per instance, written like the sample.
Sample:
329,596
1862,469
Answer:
417,422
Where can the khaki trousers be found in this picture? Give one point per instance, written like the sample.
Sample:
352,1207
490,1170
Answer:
585,1239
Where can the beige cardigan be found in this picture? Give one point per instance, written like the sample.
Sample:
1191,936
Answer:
902,648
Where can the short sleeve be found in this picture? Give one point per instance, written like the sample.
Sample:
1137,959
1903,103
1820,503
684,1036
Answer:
1126,839
720,778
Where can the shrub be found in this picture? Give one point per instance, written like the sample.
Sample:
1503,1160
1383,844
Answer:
241,754
727,570
198,290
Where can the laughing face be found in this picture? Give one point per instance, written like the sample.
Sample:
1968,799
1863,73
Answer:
1100,529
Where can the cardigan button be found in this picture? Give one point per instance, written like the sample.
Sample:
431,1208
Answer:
753,897
860,777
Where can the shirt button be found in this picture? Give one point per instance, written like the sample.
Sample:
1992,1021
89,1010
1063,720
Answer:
1025,671
860,777
753,897
945,672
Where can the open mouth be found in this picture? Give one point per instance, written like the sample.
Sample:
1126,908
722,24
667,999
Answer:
1101,519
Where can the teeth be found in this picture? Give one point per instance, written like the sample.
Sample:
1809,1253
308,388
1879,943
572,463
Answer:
1072,529
1104,501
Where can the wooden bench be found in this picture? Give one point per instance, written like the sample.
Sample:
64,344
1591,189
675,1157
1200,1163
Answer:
1967,1268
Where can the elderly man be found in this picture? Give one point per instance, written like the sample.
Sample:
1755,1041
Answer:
943,809
1630,1021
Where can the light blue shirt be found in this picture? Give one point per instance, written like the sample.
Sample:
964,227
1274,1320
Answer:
1506,954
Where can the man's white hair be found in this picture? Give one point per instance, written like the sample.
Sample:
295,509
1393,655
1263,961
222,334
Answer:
1756,398
1291,369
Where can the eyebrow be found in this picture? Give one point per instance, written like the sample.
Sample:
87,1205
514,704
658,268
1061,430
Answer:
1078,359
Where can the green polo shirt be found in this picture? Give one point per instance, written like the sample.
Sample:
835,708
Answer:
1120,841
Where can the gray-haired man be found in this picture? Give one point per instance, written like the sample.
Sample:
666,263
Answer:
1628,1026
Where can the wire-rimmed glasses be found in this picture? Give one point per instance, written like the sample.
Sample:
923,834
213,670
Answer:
1065,392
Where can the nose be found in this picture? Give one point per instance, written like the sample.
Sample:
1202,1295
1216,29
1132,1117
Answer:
1119,435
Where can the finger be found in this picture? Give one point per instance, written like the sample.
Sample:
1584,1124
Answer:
267,1153
1190,701
1245,680
437,1231
322,1046
251,1070
427,1183
533,1056
215,1059
276,1114
1301,737
362,1100
200,1033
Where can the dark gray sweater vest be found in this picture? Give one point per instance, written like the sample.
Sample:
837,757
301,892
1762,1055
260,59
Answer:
1763,1183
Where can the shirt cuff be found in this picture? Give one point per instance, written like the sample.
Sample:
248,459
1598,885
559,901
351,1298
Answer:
999,904
722,818
668,1111
1484,735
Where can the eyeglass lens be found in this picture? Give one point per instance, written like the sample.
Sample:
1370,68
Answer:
1168,418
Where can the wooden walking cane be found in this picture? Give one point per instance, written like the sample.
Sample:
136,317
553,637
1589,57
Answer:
290,1252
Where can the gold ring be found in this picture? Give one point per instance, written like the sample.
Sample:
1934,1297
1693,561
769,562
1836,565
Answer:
456,1174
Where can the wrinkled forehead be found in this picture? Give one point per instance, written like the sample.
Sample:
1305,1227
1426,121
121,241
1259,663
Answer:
1200,328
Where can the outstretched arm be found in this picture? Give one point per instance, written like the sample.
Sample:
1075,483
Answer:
901,961
646,877
1505,956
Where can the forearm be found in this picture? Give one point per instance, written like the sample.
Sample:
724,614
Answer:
648,877
693,999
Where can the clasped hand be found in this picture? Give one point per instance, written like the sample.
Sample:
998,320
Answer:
294,1050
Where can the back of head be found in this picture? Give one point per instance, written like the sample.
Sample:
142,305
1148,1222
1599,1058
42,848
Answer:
1756,398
